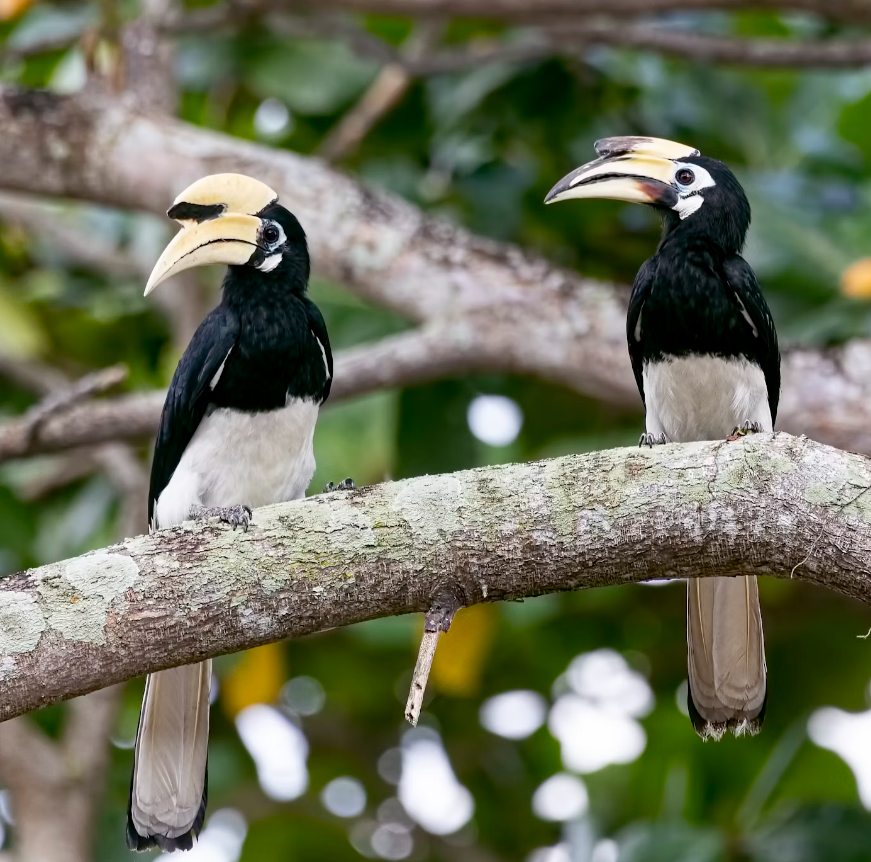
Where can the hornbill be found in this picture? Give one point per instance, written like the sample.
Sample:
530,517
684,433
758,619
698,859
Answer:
704,352
236,432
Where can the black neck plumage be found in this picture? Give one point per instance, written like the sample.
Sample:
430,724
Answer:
280,354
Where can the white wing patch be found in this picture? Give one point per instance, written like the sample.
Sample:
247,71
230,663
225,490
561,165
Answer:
324,354
217,376
747,316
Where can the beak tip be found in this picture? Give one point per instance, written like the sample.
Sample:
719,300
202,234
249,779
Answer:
553,195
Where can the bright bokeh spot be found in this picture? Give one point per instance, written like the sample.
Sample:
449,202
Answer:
606,850
278,748
557,853
591,737
272,118
848,734
390,765
561,797
221,840
428,789
495,419
595,719
392,841
304,695
603,677
344,797
514,714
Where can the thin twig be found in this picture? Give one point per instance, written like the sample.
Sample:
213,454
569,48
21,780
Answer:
382,96
438,620
61,399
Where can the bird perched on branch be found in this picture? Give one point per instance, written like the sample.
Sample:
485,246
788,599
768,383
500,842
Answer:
236,432
705,356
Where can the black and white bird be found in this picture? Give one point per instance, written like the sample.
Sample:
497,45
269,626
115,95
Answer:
705,356
236,432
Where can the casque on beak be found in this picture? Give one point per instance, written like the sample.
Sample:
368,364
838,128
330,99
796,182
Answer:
638,170
220,224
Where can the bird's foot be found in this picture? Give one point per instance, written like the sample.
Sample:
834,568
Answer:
651,440
235,516
344,485
743,430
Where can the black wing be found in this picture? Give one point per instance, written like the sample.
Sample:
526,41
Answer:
640,292
741,280
189,395
319,330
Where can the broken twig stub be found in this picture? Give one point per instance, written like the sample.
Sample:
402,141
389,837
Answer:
438,620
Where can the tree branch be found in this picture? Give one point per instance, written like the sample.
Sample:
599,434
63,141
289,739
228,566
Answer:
538,10
767,505
773,53
485,306
564,39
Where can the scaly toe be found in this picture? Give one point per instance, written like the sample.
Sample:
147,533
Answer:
344,485
651,440
238,516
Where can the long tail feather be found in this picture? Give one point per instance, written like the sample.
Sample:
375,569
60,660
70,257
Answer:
726,656
168,791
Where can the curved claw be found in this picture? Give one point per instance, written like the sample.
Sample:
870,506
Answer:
238,516
749,427
235,516
651,440
345,485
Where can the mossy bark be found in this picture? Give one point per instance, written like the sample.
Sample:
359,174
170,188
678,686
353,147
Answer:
766,505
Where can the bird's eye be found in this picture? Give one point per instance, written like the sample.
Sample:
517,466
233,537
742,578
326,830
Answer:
685,177
271,233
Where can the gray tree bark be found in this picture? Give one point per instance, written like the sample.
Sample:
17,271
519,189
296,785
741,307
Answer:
766,505
482,305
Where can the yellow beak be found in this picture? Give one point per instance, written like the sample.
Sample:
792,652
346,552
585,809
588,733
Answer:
229,239
638,170
219,220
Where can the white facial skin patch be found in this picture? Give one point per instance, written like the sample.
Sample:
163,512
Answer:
270,263
690,199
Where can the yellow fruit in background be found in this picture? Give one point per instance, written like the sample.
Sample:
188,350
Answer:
462,652
257,678
11,8
856,279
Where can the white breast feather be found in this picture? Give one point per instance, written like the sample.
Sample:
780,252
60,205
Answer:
704,397
236,457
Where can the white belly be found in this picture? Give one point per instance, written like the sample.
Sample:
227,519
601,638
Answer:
235,457
704,397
